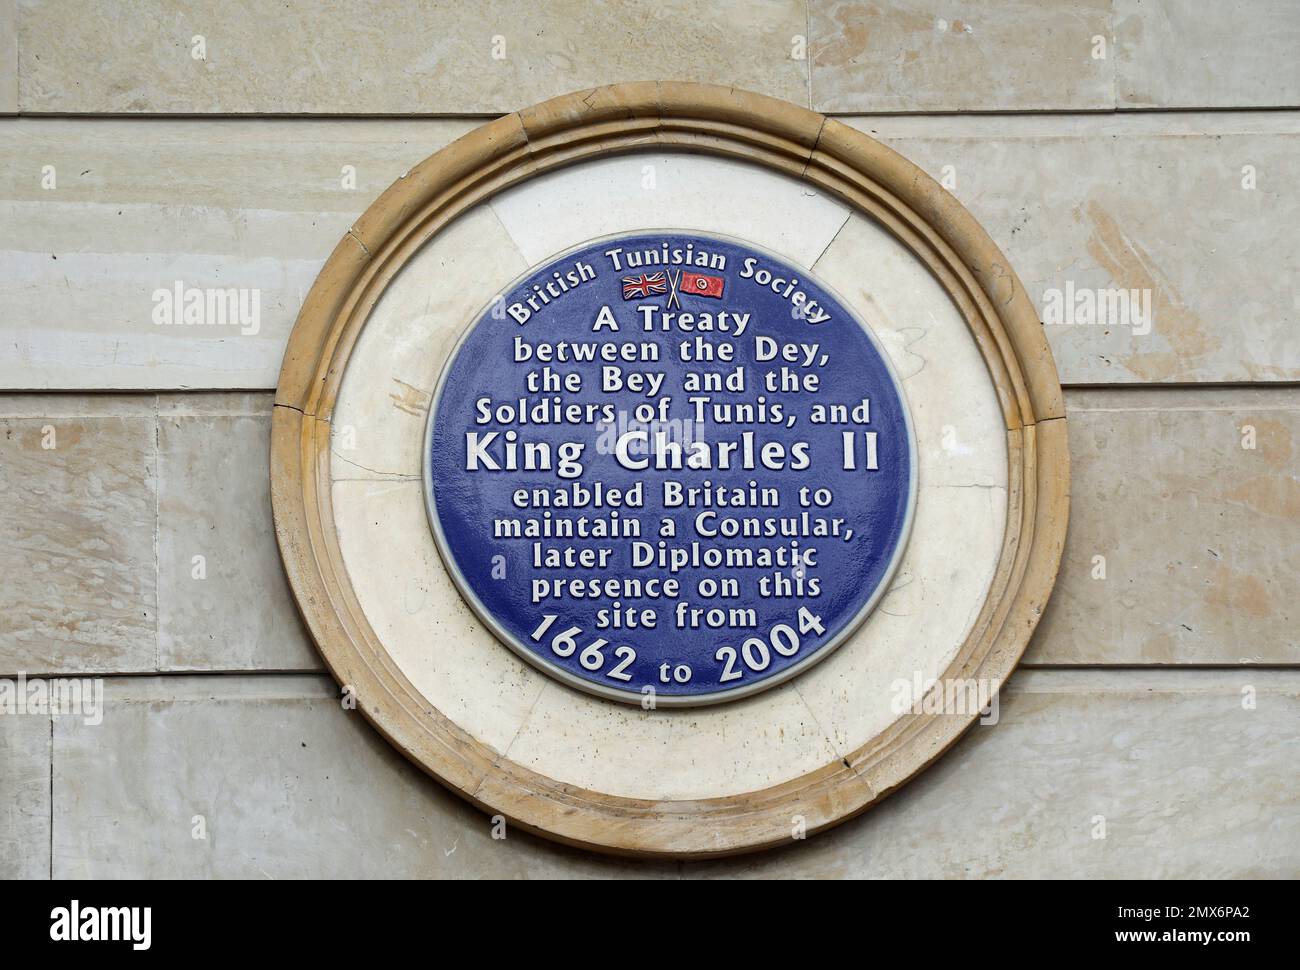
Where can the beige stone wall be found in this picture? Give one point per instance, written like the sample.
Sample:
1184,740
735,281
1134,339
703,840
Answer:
1151,145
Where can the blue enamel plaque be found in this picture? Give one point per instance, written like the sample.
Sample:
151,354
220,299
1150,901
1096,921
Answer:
670,468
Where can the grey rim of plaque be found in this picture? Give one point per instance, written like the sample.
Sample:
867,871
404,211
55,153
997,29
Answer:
634,697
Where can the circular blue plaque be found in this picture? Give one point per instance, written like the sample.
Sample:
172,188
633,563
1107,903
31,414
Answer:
670,468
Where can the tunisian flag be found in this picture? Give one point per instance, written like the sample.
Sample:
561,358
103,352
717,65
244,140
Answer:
697,284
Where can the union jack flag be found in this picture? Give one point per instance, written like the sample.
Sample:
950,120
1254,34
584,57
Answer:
647,284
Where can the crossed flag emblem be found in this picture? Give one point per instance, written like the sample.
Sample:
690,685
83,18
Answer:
673,282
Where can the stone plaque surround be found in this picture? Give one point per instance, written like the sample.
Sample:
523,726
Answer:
392,304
